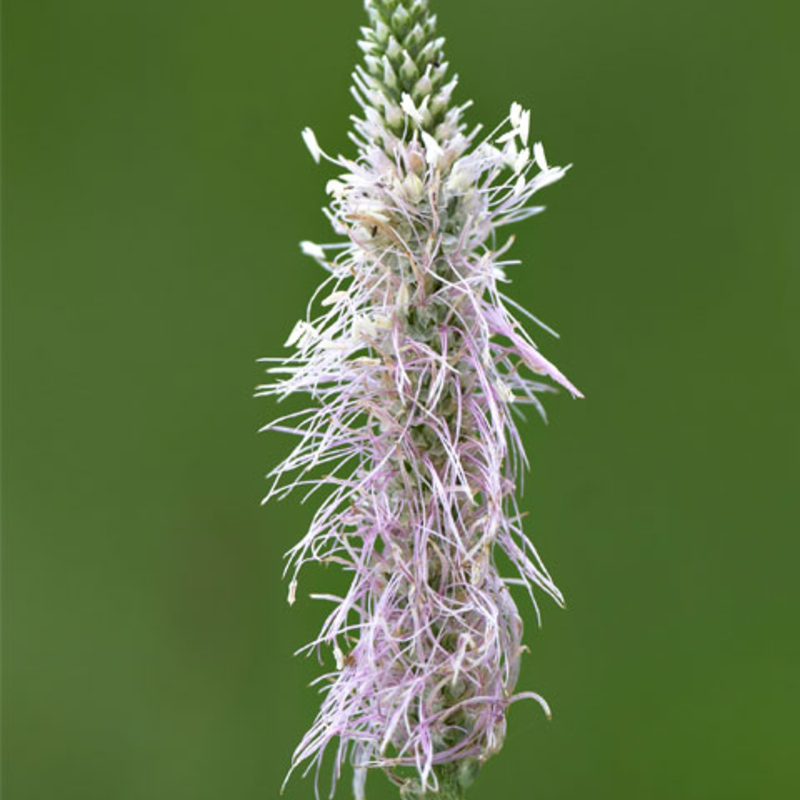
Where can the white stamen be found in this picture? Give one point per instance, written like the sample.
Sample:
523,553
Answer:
339,656
522,160
335,188
313,250
538,154
433,152
410,108
334,344
525,127
511,153
334,298
300,331
311,143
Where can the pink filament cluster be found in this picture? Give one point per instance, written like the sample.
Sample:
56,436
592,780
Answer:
416,366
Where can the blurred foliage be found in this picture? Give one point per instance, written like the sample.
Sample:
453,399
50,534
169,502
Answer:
155,190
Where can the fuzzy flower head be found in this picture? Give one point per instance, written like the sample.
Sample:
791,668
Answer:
416,368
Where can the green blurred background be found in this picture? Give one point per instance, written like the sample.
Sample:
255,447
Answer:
155,190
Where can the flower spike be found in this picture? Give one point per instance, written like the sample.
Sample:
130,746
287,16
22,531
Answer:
416,366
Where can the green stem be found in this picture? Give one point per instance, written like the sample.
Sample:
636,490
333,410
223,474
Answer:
454,779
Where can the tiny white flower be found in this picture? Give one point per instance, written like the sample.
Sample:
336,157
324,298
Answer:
424,85
311,143
393,48
292,592
373,209
408,68
519,186
413,186
411,109
423,106
463,175
433,152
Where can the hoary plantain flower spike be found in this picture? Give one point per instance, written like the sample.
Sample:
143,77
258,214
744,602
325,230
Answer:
416,369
